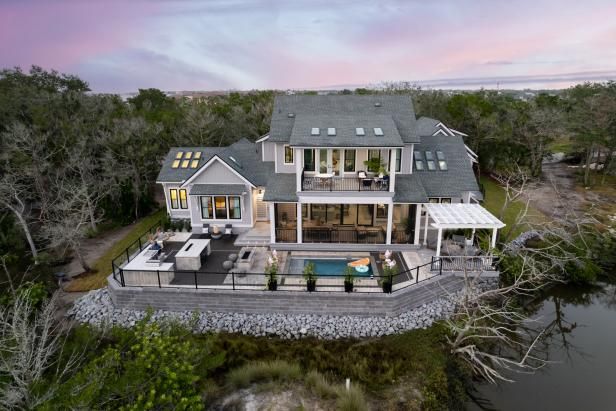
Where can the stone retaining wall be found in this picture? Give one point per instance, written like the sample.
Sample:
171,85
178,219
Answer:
289,302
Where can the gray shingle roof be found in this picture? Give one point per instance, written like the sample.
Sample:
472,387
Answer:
281,187
400,108
426,126
409,189
345,126
247,162
459,176
217,189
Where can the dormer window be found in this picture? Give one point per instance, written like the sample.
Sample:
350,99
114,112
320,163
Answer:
315,131
331,131
378,131
360,131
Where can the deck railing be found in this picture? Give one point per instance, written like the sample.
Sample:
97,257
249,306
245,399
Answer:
310,183
133,249
286,282
464,263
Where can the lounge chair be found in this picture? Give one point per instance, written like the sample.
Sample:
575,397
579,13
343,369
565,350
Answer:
206,230
228,230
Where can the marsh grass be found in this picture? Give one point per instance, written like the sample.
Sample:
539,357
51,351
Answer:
263,371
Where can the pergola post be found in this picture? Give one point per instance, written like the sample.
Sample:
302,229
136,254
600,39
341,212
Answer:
438,242
425,242
417,224
493,242
473,237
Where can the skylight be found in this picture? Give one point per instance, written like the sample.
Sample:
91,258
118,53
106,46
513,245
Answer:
175,164
194,164
431,165
360,131
331,131
188,155
442,164
378,131
234,160
197,155
185,163
429,155
419,165
179,154
315,131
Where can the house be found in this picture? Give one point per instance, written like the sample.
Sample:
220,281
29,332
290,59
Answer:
359,171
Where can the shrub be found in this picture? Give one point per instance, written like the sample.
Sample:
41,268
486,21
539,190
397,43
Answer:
257,372
319,385
352,399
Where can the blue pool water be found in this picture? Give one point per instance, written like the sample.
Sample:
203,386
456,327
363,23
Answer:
324,266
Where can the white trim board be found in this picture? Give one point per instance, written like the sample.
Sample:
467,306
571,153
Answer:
206,165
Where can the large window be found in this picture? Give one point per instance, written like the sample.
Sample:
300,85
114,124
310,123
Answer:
398,159
206,208
373,156
235,209
288,155
221,208
179,199
349,161
309,159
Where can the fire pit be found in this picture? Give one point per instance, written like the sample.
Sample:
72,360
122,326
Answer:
245,258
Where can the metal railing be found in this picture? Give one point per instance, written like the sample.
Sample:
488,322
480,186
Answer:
133,249
258,281
310,183
326,234
464,263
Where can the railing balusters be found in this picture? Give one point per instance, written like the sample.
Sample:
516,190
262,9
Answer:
158,275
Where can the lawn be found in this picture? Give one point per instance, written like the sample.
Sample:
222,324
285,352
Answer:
494,200
101,268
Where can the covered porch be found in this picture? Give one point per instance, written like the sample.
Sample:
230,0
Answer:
369,223
459,216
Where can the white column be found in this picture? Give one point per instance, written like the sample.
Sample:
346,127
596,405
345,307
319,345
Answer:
390,223
392,171
438,242
298,168
272,216
299,223
473,237
493,243
417,224
427,217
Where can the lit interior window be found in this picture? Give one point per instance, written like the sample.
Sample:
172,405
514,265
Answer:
185,163
194,164
188,155
197,155
179,154
175,164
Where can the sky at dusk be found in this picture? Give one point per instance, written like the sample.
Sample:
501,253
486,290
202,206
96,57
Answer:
120,46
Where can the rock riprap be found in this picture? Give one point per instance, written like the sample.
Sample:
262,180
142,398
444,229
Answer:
96,308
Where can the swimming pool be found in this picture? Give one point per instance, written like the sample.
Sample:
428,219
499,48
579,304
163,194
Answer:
325,266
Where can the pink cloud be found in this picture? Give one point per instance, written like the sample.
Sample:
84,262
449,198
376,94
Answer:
60,35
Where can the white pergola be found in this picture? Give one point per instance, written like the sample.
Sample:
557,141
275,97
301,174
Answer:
459,215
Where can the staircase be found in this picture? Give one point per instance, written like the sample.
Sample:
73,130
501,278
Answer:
259,235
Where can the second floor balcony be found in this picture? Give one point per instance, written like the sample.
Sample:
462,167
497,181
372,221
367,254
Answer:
328,182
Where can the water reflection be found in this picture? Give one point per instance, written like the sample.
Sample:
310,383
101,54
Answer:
579,340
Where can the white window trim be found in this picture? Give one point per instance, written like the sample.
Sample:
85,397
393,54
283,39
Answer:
284,155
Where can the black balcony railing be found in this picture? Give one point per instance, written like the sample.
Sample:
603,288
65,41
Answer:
344,184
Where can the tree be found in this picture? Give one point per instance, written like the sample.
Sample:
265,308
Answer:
31,342
13,194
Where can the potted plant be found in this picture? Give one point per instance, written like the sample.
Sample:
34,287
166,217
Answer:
271,271
187,226
382,171
349,279
389,271
310,276
373,165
